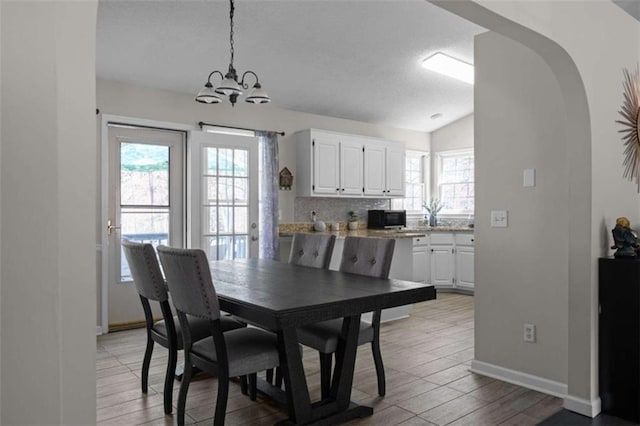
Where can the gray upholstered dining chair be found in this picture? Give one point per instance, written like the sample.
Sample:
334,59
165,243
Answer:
235,353
150,285
363,256
312,250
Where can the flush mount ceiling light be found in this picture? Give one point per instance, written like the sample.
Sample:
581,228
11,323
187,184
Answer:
449,66
230,86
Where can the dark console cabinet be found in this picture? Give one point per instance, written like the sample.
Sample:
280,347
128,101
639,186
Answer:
619,290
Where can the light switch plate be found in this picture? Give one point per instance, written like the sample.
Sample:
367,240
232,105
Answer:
499,219
529,178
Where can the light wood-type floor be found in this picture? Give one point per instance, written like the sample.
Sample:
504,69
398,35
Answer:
427,358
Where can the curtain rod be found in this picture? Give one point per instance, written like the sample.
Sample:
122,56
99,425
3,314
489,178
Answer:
202,123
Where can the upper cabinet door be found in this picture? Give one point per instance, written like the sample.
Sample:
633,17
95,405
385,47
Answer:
326,172
395,171
351,167
374,170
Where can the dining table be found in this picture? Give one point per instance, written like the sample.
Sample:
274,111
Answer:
281,297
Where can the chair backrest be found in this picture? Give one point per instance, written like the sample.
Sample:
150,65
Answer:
312,250
145,270
367,256
189,280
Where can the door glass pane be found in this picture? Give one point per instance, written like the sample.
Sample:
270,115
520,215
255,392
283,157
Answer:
143,226
225,189
241,191
211,190
225,162
211,161
240,220
226,204
144,174
240,163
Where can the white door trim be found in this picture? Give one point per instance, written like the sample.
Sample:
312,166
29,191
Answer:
105,119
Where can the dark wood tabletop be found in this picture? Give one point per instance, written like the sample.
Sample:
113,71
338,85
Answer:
281,297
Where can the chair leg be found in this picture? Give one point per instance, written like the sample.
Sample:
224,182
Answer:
279,378
145,364
253,386
269,376
168,380
243,385
221,401
377,359
184,388
325,374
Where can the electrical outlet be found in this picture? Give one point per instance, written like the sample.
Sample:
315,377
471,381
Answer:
530,333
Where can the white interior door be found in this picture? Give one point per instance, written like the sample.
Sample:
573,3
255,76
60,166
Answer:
223,191
145,204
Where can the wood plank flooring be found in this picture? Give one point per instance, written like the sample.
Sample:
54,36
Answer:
427,358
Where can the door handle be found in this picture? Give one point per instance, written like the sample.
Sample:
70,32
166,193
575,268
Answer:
111,227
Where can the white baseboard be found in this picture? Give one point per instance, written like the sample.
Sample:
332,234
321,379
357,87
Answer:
99,330
583,406
519,378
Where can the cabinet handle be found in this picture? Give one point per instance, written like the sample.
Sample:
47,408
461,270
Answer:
342,189
472,240
431,250
337,189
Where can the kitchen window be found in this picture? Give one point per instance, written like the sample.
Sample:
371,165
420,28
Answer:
455,181
416,183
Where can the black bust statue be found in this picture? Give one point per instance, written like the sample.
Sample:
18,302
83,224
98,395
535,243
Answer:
626,242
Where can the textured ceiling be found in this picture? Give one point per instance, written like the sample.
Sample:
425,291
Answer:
358,60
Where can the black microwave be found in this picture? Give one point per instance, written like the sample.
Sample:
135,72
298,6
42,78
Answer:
381,219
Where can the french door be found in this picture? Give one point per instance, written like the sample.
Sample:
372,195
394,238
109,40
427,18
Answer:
223,193
146,204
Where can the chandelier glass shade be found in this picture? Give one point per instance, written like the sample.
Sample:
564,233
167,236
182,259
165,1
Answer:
229,85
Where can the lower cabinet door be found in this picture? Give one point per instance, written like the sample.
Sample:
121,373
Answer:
442,266
421,265
465,268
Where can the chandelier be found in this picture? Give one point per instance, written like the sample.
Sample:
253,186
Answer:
230,86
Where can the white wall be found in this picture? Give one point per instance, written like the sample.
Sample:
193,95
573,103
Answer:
456,135
521,271
47,179
586,45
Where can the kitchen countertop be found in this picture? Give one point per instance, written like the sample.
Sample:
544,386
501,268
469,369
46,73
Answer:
374,233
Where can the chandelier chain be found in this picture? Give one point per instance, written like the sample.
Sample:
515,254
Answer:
231,10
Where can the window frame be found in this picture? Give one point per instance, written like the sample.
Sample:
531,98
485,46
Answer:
439,157
399,203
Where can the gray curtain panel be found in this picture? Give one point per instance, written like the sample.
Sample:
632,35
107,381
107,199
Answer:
269,243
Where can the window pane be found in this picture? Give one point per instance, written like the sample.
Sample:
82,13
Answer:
225,162
240,247
211,190
225,248
144,174
210,220
225,190
225,220
240,220
211,161
240,163
241,190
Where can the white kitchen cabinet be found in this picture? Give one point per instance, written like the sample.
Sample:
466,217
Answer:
351,167
384,166
326,161
442,271
331,164
421,260
395,165
465,254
